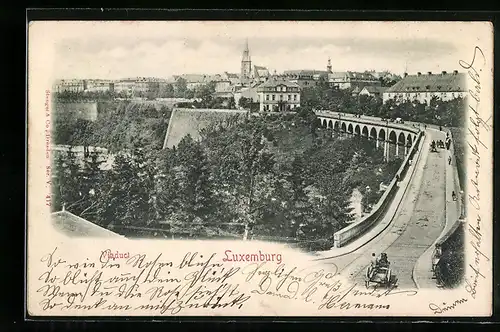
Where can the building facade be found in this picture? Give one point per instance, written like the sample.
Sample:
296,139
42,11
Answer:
194,81
99,86
424,87
278,95
70,85
350,80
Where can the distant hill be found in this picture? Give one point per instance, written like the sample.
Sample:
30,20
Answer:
190,121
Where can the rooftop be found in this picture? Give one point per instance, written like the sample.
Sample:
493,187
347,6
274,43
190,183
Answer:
274,82
374,89
304,72
443,82
351,75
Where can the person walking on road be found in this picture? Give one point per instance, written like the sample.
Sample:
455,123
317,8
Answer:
449,160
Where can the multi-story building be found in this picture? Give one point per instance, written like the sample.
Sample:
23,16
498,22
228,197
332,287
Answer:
99,85
70,85
194,81
125,85
422,88
348,80
306,78
278,95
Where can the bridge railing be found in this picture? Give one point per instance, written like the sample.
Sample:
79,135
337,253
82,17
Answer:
339,116
354,230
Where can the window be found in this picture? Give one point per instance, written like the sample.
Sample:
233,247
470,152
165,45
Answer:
294,97
267,97
284,89
281,97
274,97
289,97
278,88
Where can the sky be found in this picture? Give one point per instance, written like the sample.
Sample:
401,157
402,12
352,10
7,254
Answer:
112,50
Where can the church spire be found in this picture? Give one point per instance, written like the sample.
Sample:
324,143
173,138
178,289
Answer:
246,62
329,66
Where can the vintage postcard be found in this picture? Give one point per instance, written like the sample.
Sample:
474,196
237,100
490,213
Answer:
253,168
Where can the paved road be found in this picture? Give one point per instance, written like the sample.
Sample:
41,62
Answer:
418,222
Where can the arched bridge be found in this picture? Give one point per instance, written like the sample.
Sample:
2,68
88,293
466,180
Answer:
421,211
395,138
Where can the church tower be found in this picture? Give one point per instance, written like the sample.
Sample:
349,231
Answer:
246,63
329,66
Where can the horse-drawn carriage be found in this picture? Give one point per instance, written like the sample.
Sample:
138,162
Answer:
380,273
433,146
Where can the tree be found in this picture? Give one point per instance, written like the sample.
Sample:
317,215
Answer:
166,91
195,186
67,181
244,102
180,88
232,103
255,163
91,182
128,197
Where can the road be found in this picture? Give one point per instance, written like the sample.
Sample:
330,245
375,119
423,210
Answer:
417,223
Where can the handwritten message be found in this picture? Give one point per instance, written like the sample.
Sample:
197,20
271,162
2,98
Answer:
477,127
156,285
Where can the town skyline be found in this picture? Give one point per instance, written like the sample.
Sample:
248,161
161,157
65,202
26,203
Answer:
128,49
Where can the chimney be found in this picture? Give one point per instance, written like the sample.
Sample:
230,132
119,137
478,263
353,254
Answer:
429,73
419,73
443,72
455,72
405,74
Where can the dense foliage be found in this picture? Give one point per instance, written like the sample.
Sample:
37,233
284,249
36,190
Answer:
277,175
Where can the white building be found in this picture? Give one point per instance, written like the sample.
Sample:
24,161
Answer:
70,85
348,79
422,88
278,95
99,86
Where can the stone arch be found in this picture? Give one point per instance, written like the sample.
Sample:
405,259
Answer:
381,134
336,126
373,133
392,136
343,127
364,131
349,128
409,140
330,124
357,130
401,139
324,122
